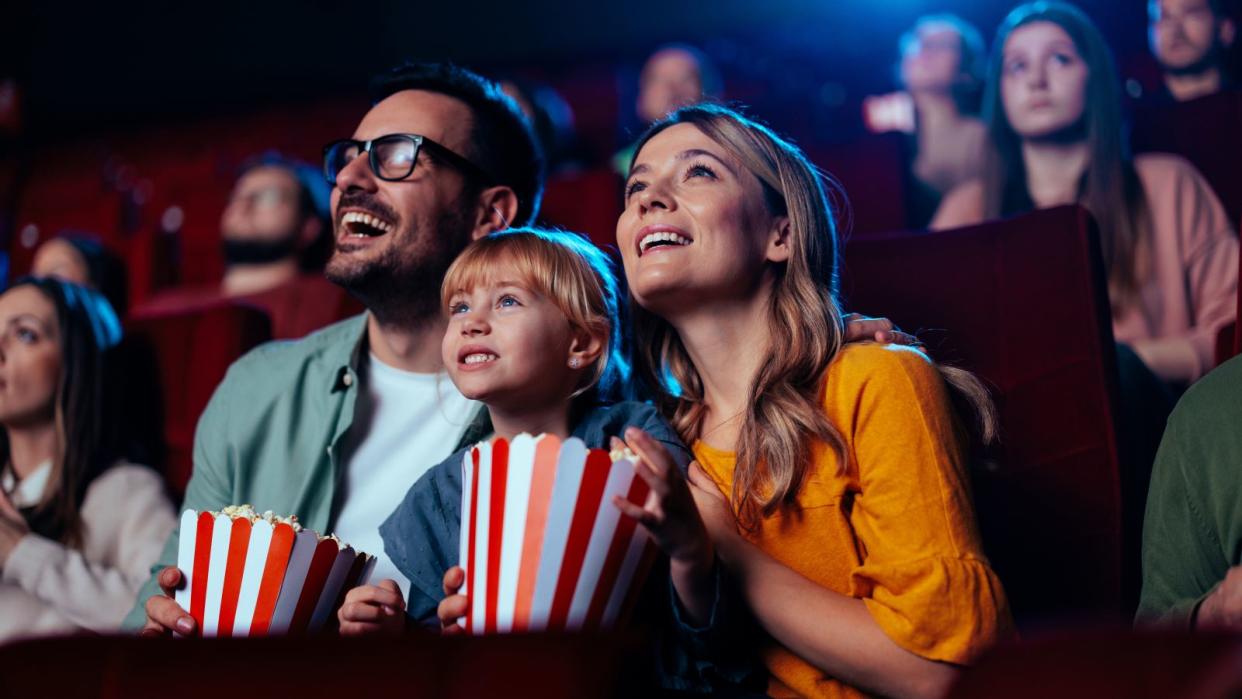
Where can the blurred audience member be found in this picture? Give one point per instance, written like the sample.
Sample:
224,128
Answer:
78,527
942,70
275,239
274,226
1190,40
1053,113
1192,537
552,120
82,260
674,76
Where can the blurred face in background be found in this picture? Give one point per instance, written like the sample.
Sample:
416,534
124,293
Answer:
931,60
1187,35
264,207
671,78
58,258
1043,81
30,360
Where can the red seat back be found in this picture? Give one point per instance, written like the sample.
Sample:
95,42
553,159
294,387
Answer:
1022,303
584,202
193,350
1109,664
1205,132
417,665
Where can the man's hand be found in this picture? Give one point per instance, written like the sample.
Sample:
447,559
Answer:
860,328
164,616
1222,609
373,609
453,606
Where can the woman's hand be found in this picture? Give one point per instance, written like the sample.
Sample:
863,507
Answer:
454,606
12,528
671,518
669,513
712,505
373,609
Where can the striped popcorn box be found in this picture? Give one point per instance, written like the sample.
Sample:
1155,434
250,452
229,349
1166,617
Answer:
250,574
542,544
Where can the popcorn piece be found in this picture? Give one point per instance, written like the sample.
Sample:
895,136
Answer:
623,453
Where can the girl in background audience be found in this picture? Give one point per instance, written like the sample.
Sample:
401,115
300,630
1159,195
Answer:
832,478
1054,120
78,530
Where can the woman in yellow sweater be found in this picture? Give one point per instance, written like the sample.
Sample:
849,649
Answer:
831,478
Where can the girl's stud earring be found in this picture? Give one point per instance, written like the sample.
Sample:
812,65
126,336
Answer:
574,363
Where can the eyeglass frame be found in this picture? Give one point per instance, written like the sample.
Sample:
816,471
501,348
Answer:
435,149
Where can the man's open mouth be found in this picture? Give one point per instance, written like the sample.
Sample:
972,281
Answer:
359,224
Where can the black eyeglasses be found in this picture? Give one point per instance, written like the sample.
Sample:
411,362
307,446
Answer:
392,157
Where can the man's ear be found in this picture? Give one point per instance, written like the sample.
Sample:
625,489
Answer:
1227,32
497,210
778,240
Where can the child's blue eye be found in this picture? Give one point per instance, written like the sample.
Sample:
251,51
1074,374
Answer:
27,336
509,301
634,188
458,308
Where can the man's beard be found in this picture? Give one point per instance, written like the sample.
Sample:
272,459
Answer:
1212,58
402,285
259,252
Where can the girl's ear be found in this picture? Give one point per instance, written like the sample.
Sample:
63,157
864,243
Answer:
778,240
587,347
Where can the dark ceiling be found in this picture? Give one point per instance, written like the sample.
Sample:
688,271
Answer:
82,65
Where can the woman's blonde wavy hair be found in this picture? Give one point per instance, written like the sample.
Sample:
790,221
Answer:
784,415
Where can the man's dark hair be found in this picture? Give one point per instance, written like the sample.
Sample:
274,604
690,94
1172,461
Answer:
500,139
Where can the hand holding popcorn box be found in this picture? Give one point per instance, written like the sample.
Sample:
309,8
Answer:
542,544
248,574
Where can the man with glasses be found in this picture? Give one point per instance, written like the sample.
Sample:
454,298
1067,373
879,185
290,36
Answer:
334,428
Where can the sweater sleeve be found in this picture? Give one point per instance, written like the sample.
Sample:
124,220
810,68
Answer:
1209,250
421,536
923,576
1183,557
125,514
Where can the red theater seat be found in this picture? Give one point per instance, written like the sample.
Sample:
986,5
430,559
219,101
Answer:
872,171
418,665
1022,303
584,202
1206,132
1109,665
193,349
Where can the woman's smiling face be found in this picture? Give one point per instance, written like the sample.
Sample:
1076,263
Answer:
695,225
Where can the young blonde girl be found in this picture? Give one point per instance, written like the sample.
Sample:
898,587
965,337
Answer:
533,334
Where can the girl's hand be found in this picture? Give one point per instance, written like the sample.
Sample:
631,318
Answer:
453,606
373,609
669,513
12,528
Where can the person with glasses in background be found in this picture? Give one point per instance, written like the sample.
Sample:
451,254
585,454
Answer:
274,238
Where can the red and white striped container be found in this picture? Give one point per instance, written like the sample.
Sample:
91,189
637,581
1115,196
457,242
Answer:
542,544
256,576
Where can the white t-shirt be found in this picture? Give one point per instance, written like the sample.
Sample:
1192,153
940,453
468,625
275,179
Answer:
406,423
